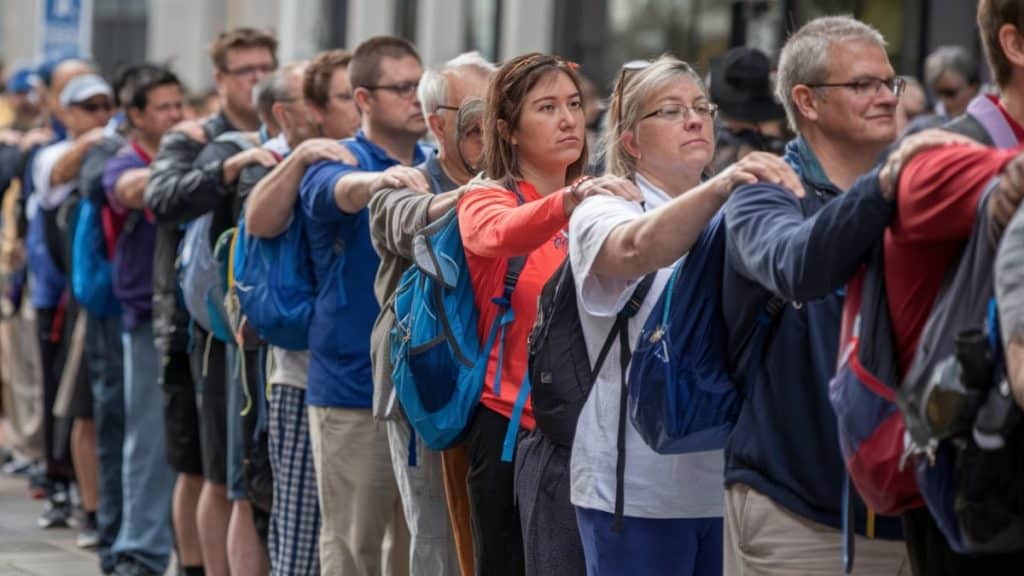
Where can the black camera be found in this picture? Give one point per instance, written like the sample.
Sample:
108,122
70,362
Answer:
968,394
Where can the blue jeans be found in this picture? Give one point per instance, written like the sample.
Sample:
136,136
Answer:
651,546
106,374
147,479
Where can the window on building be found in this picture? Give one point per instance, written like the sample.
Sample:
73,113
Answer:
405,19
482,30
119,34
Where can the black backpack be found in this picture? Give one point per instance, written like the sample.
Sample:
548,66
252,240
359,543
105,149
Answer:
560,369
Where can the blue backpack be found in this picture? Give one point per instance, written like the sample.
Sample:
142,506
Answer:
439,364
91,270
682,395
275,284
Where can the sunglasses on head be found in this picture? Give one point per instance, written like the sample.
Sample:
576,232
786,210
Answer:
625,74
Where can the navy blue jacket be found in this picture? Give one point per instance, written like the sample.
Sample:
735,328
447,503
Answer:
785,444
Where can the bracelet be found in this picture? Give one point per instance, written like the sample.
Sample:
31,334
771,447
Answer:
574,188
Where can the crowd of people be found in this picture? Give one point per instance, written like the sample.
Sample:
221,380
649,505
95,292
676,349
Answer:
148,410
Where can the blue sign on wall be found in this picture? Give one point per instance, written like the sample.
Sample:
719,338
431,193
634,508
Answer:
66,29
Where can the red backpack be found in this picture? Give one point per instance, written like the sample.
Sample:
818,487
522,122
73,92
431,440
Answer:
863,395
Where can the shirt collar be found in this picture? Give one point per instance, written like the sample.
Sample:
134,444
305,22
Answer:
380,155
440,181
654,197
803,160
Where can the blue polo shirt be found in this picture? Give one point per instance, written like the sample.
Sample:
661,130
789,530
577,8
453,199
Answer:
345,265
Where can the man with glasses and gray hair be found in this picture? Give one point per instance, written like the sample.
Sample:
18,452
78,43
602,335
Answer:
452,100
784,473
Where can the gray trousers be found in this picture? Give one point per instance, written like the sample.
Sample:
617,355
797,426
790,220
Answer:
431,545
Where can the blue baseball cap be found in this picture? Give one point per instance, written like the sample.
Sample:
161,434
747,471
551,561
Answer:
23,80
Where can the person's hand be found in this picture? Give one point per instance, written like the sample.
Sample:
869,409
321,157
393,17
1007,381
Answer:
192,129
1006,197
758,167
10,137
606,185
233,166
36,137
889,176
398,177
92,136
316,149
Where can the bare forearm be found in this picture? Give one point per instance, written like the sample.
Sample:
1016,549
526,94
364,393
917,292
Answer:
658,238
130,188
68,166
272,201
353,191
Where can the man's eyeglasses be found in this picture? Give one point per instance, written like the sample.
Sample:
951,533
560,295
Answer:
868,86
251,70
403,90
677,113
625,73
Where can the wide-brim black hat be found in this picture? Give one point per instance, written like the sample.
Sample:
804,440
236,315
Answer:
741,86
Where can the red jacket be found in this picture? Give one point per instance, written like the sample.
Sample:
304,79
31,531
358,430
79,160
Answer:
494,229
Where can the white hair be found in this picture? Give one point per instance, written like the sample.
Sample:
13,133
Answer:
805,56
433,89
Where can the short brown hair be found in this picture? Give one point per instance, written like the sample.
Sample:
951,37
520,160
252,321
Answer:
364,69
316,82
240,38
992,15
506,97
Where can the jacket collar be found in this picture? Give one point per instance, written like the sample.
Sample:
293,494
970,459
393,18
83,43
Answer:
803,160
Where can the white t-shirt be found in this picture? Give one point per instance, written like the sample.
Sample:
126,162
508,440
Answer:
47,196
289,367
655,485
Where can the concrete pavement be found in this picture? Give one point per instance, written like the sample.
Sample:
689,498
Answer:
25,550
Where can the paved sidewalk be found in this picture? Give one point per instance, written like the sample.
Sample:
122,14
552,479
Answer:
25,550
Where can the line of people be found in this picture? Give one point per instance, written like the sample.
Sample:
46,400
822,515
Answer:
194,433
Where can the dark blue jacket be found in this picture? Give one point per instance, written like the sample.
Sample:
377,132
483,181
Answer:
785,443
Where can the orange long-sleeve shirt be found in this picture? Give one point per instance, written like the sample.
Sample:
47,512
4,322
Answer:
494,229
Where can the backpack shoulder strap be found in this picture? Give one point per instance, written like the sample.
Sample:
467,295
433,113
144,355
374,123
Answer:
971,127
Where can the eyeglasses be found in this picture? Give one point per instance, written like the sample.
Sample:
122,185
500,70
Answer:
627,70
403,90
676,113
94,107
251,70
868,86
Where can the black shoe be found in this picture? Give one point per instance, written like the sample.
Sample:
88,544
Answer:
88,535
55,515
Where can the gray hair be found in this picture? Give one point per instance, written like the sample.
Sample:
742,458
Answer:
954,58
805,56
274,87
433,89
628,101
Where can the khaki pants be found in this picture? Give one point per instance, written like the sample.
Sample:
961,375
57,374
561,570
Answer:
762,538
22,385
362,527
